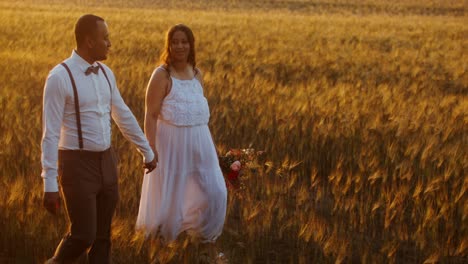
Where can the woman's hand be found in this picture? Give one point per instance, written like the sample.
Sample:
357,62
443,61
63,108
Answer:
150,166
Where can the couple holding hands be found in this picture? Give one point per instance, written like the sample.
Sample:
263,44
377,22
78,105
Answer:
183,187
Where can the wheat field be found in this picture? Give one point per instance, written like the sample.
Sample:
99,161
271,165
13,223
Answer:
361,107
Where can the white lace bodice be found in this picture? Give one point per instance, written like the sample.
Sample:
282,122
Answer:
185,105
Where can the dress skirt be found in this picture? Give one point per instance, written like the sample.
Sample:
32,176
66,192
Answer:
186,191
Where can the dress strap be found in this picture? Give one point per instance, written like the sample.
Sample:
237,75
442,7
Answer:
77,106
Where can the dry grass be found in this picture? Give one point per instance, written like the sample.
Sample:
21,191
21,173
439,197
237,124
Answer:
373,107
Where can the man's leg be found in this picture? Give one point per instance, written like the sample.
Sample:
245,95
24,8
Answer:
106,202
80,181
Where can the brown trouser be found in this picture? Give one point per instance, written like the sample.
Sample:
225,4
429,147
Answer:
90,190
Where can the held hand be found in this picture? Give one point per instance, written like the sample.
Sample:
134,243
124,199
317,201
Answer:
51,202
150,166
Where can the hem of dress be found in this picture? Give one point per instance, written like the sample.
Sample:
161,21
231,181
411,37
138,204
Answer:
152,234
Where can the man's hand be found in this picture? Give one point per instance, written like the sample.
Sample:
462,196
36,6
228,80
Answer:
51,202
150,166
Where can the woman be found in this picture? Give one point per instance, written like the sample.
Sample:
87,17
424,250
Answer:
186,191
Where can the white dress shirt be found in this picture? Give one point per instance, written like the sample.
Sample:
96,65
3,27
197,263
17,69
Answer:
59,118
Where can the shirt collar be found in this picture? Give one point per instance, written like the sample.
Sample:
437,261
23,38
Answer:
82,64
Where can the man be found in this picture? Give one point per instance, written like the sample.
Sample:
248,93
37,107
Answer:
80,98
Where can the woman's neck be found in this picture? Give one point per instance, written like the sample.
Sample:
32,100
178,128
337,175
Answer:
180,66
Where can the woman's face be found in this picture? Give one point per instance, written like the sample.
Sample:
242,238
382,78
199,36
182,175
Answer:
180,46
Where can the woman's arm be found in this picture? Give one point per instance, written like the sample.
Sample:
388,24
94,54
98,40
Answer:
155,93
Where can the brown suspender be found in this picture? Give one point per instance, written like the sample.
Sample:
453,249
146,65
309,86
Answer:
77,104
110,88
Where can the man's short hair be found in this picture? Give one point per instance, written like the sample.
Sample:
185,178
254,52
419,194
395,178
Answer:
86,26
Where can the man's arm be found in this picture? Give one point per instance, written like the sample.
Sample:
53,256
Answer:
130,128
52,117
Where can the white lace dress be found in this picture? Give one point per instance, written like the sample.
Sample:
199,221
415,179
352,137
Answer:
187,191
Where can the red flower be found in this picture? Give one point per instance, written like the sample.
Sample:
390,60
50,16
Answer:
233,175
233,180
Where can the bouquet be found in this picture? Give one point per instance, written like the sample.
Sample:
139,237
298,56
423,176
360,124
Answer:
236,162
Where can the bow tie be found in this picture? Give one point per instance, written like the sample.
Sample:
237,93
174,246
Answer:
92,69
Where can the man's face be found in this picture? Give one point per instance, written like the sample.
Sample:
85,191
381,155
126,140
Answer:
99,43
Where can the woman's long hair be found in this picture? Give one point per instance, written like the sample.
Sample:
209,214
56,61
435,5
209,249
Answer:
166,56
